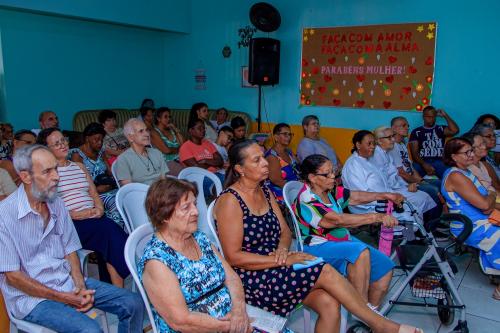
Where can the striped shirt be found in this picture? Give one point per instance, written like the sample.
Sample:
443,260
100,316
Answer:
74,187
37,251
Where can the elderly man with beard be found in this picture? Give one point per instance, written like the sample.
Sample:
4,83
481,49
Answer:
40,275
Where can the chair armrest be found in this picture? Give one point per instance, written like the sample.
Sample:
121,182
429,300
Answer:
83,255
466,231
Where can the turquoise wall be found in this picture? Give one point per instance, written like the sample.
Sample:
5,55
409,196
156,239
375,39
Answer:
466,76
69,65
169,15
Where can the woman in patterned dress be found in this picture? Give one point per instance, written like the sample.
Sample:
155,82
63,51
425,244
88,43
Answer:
255,241
465,195
204,294
282,161
91,155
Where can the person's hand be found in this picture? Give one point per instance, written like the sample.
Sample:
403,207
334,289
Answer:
412,187
87,296
397,198
389,221
298,258
280,255
440,113
96,213
429,169
239,322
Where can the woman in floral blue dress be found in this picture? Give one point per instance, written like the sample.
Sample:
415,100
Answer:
189,285
91,155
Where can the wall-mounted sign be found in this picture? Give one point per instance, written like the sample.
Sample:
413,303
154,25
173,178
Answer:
373,67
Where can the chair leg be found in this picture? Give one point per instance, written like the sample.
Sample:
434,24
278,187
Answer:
307,320
13,328
103,320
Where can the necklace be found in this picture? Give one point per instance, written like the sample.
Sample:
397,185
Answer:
193,244
146,164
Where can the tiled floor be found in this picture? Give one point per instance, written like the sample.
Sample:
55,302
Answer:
483,312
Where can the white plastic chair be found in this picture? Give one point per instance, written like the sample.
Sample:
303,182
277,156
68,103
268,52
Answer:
113,172
17,325
197,175
134,249
130,204
213,233
290,192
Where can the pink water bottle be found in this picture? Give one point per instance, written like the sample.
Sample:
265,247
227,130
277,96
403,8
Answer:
386,234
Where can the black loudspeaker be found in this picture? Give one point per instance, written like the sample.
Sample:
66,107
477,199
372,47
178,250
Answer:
264,62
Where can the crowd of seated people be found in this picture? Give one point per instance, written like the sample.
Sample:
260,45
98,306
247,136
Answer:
209,291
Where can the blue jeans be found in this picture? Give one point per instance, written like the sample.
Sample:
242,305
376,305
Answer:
438,165
61,317
432,187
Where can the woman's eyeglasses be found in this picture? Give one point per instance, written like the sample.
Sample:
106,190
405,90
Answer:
59,144
286,134
469,152
388,137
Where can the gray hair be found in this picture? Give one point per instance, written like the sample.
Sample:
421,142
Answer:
23,160
380,131
307,119
128,128
393,120
481,129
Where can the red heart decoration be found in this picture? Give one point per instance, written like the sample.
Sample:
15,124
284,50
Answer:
304,63
406,90
327,78
360,103
315,70
390,78
322,89
360,78
331,60
413,69
429,61
336,102
387,104
392,59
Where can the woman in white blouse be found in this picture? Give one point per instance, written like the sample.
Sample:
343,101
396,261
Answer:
360,174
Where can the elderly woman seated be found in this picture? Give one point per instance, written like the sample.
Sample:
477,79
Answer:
359,174
465,195
92,155
76,188
204,294
283,165
255,240
383,161
481,168
323,228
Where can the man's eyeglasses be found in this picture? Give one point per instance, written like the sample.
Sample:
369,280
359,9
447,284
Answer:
61,143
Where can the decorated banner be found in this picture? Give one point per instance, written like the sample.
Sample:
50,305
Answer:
375,67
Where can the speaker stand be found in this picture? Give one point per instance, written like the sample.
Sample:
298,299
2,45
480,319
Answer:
259,116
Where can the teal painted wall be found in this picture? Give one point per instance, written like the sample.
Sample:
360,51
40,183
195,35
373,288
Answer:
466,76
69,65
168,15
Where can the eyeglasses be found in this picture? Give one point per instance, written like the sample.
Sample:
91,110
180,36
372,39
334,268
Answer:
287,134
388,137
330,174
61,143
489,136
469,152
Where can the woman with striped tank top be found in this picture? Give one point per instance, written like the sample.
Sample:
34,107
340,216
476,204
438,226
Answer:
96,231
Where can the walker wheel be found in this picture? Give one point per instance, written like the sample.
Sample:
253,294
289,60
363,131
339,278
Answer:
359,328
446,315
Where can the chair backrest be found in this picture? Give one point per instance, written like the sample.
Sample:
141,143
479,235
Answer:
130,204
197,176
134,249
211,226
290,192
113,172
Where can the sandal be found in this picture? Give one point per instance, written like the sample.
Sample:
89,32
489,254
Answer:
409,329
496,294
